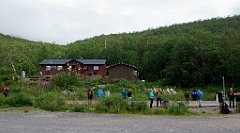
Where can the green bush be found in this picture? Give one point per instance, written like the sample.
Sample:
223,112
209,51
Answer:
63,79
138,106
2,101
80,108
18,100
114,103
51,101
178,108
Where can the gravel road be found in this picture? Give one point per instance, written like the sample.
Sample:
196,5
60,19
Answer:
66,122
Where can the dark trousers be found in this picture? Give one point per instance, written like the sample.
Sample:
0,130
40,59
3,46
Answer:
159,100
151,102
5,94
231,103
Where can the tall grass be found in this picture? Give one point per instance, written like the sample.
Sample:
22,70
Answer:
52,101
177,108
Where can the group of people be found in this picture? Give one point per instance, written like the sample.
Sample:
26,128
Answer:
126,95
158,97
223,107
101,94
196,98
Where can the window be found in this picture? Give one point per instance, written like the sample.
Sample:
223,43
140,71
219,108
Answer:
53,67
95,68
85,68
135,73
60,68
48,68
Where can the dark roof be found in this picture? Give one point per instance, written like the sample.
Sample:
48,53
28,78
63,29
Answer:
54,61
92,61
65,61
128,65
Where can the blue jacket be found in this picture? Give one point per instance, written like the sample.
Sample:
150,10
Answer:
151,95
124,93
100,93
199,95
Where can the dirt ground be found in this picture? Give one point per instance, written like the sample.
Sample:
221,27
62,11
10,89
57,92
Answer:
66,122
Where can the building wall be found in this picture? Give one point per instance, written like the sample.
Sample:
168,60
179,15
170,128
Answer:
101,70
79,68
122,71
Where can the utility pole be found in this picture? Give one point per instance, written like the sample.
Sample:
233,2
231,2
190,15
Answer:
105,44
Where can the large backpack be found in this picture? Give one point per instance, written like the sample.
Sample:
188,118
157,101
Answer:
225,109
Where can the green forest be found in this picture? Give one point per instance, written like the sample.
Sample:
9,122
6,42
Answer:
198,53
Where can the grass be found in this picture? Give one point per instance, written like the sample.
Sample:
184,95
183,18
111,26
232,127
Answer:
53,99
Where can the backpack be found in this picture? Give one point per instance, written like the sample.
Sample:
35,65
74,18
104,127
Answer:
225,109
194,94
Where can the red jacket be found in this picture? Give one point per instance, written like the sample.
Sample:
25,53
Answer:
5,90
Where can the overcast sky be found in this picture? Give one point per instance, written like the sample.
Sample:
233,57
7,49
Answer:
65,21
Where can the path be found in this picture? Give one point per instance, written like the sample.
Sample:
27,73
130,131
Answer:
49,122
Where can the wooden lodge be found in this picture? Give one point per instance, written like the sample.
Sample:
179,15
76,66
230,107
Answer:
81,66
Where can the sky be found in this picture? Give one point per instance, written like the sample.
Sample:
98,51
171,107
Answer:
66,21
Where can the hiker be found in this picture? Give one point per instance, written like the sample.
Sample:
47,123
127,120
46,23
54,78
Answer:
158,97
194,98
5,91
231,98
151,95
124,93
129,94
220,100
186,96
107,93
199,97
100,94
90,95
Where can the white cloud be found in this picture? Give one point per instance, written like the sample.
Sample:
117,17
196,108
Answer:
64,21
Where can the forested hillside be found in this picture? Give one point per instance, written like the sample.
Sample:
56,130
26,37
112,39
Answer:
191,54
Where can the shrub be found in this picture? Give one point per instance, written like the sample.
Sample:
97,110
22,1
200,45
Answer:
178,108
2,100
80,108
138,106
18,100
63,79
51,101
114,103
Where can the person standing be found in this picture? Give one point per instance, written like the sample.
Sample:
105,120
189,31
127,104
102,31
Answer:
124,93
231,97
186,96
100,94
199,97
158,97
90,95
194,98
220,100
107,93
151,95
129,94
5,91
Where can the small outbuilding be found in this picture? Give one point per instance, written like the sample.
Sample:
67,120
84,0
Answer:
122,71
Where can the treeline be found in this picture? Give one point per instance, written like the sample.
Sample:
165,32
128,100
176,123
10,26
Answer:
193,54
